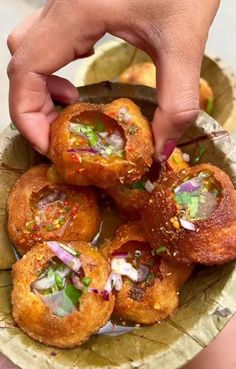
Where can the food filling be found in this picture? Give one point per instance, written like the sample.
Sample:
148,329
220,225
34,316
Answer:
62,284
197,198
96,133
51,212
135,262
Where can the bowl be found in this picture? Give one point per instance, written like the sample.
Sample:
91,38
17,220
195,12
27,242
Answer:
113,57
208,300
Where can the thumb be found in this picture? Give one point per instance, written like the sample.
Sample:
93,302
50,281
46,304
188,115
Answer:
177,97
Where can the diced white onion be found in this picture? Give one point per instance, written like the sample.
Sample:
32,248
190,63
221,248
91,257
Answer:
187,225
149,186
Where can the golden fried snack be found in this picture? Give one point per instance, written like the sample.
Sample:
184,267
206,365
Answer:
53,293
130,199
206,96
140,74
104,145
41,211
193,215
146,285
145,74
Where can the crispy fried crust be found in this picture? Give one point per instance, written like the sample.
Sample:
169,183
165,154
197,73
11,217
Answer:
140,304
130,201
214,242
34,317
94,169
140,74
21,205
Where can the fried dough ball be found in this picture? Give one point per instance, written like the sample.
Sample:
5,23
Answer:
193,215
140,74
130,200
206,96
39,210
155,295
145,74
103,145
53,304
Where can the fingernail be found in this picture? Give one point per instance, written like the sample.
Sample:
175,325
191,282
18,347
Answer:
39,151
167,150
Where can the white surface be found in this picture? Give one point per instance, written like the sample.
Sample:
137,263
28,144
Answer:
221,41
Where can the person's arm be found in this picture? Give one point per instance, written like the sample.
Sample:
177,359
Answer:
172,32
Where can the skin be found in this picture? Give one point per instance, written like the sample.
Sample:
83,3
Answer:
166,30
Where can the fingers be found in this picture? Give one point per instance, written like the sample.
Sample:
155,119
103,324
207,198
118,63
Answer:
39,51
178,99
62,90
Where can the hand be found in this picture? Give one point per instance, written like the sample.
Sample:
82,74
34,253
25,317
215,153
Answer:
172,32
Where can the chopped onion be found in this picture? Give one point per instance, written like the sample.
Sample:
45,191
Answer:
77,283
111,329
143,272
149,186
85,150
116,141
43,283
192,185
103,134
71,261
121,267
207,205
186,157
53,197
59,303
46,282
187,225
114,280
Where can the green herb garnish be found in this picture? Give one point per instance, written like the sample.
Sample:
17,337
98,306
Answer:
100,127
92,137
201,152
210,106
160,250
138,185
87,281
150,277
73,294
69,249
59,280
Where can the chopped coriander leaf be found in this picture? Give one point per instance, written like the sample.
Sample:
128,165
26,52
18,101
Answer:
92,137
69,249
210,106
59,281
160,250
138,185
87,281
201,152
150,277
73,294
50,272
100,127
